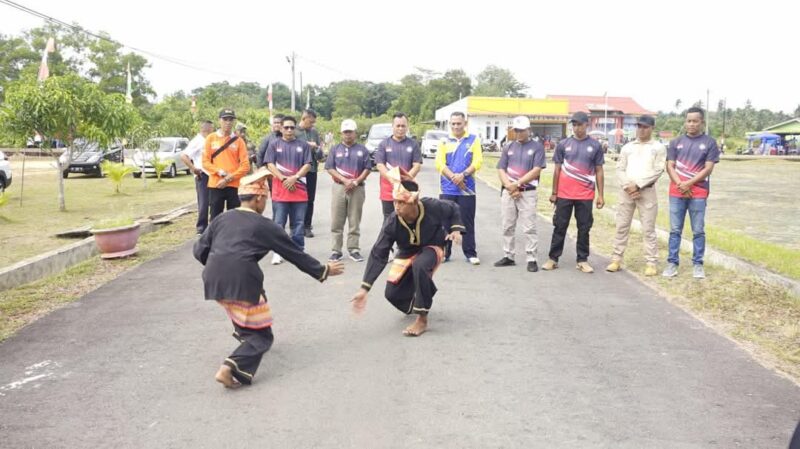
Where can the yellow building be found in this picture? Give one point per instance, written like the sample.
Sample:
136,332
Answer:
490,117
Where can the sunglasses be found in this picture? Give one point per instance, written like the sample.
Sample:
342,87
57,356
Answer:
228,119
288,127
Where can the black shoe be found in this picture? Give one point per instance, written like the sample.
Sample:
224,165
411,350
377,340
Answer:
533,267
356,256
308,234
335,257
505,262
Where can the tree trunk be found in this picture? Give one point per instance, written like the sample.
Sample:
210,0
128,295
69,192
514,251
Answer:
61,203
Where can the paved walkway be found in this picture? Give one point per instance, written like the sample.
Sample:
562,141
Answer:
513,359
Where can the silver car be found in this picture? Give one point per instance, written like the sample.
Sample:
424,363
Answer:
167,149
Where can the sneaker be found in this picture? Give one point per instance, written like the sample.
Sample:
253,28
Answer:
505,262
355,255
550,265
671,271
308,234
650,269
614,266
699,272
533,267
584,267
277,259
335,256
474,261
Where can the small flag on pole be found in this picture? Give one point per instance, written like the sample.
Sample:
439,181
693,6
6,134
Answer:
44,71
269,100
128,93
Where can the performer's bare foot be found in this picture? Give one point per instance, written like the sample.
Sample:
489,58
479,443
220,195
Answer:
225,377
418,328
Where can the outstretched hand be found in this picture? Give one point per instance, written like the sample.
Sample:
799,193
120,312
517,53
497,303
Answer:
359,301
335,268
454,236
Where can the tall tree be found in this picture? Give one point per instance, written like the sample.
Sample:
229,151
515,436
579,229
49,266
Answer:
348,100
109,69
67,108
494,81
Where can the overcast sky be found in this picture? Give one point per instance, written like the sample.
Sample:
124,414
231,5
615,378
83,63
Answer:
655,52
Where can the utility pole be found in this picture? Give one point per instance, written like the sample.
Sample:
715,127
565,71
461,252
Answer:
708,94
290,60
724,112
301,86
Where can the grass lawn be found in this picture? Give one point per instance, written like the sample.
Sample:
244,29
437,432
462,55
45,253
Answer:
28,230
763,318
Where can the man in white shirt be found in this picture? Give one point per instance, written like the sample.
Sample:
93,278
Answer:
192,156
639,166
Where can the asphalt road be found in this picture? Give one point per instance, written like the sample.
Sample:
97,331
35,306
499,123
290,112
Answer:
512,359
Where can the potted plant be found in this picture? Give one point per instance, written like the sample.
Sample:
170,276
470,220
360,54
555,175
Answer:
116,238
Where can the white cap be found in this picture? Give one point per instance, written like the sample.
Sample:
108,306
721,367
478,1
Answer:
521,122
349,125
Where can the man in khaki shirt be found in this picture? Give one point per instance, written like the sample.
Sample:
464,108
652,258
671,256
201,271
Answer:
639,166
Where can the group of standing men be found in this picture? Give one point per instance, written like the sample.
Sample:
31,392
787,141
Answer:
420,231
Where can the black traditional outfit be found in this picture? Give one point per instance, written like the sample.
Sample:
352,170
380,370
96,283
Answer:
230,249
420,251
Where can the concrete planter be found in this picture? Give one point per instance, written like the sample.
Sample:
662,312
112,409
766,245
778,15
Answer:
117,242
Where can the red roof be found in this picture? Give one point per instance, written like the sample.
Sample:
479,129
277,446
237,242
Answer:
587,103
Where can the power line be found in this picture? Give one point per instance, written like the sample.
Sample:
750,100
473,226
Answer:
340,72
80,29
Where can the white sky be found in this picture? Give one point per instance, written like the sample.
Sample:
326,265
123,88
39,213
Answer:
655,52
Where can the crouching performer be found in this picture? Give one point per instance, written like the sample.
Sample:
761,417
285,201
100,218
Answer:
416,225
230,249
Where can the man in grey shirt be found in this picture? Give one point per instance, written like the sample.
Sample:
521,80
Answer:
306,132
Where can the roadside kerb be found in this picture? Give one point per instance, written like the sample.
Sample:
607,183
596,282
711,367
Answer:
59,259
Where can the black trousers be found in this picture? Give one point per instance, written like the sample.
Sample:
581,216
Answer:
561,217
467,205
414,293
388,208
223,199
201,186
253,344
311,186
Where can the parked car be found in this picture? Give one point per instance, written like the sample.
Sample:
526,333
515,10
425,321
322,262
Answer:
86,157
431,140
167,149
5,172
377,133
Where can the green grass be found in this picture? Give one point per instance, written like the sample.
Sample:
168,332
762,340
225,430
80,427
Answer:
28,230
763,317
24,304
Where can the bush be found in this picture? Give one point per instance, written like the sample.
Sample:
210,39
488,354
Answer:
116,172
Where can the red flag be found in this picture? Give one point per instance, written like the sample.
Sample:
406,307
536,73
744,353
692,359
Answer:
44,71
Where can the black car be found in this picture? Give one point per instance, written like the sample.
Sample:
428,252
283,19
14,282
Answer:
87,157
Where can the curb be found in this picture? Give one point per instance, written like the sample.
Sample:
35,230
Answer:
59,259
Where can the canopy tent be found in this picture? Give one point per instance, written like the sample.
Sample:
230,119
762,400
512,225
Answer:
766,137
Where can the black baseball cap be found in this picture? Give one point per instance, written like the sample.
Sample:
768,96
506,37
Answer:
579,117
225,113
646,120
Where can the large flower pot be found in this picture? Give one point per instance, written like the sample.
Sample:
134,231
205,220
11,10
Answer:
117,242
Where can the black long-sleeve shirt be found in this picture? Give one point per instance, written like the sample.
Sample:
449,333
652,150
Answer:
411,238
231,248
